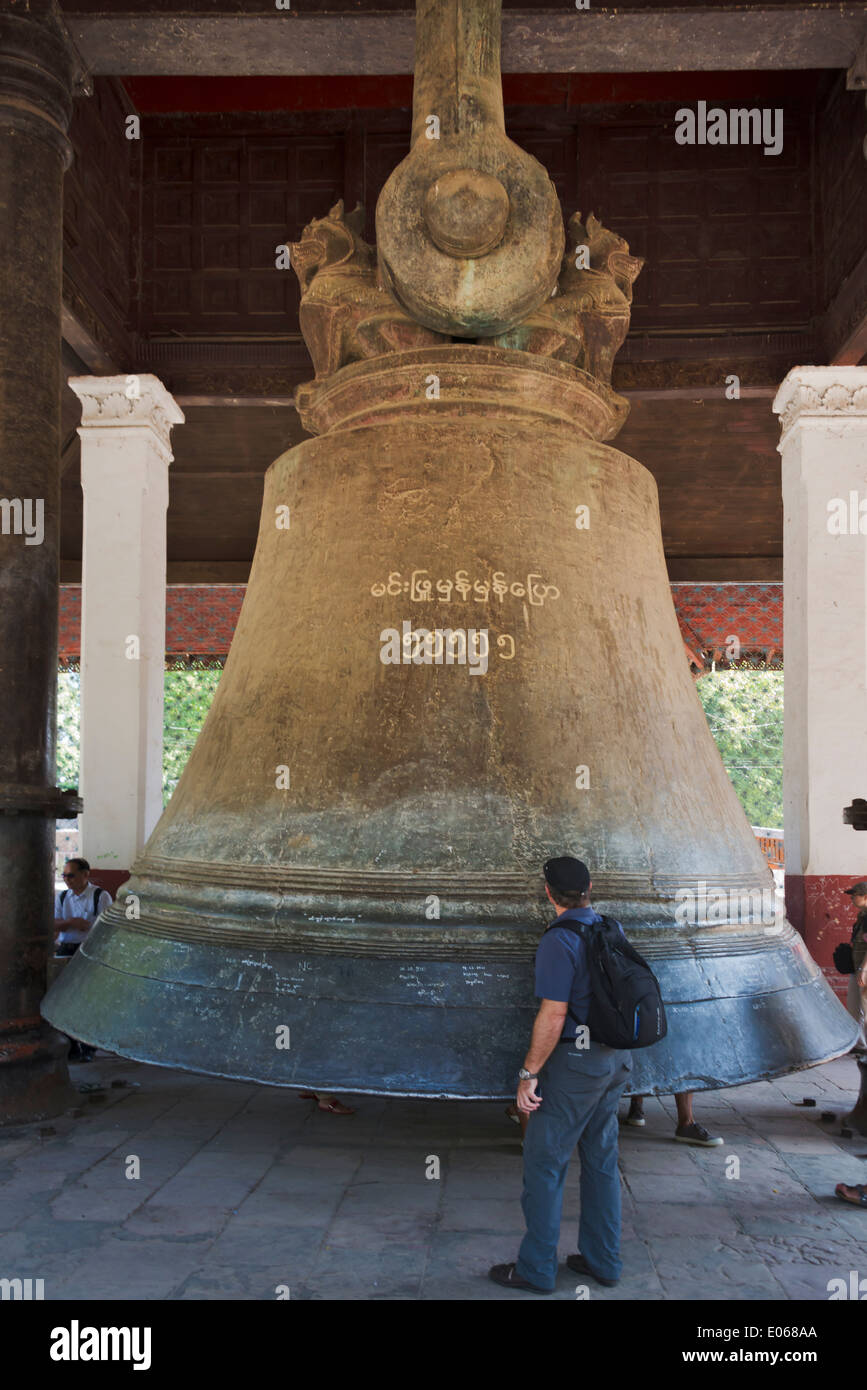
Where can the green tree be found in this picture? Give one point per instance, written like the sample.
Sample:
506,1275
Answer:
68,726
188,696
744,711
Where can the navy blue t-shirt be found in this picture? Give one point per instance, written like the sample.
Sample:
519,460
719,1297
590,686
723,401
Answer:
561,967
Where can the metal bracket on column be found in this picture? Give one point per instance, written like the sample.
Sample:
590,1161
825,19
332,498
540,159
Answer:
856,814
16,800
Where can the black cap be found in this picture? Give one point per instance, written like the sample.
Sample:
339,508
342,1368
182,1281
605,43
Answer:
857,888
567,875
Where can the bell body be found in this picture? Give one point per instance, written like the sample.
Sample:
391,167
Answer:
345,892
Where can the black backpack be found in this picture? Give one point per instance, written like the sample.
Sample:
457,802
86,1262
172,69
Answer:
96,897
844,958
626,1008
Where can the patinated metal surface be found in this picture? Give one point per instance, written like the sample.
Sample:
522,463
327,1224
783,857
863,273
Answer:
416,786
468,227
345,890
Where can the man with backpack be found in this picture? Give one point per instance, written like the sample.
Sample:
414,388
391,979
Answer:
856,964
599,1000
76,908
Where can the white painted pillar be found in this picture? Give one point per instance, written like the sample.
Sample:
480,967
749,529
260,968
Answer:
823,420
125,431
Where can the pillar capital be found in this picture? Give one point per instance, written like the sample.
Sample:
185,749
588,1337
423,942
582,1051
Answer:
811,395
39,72
129,403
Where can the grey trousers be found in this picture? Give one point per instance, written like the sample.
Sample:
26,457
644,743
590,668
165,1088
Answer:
580,1090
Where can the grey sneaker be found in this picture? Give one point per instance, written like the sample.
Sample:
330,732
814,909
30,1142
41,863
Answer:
696,1134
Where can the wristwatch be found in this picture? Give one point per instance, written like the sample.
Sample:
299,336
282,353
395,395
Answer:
524,1075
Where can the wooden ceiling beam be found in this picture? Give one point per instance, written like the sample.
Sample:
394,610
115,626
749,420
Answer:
156,40
84,345
180,571
844,329
724,569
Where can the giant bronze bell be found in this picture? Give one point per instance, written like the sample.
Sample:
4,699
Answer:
457,656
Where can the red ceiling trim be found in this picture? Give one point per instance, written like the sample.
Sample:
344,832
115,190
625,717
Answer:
165,95
201,618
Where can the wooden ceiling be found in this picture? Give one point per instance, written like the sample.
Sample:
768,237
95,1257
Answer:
753,266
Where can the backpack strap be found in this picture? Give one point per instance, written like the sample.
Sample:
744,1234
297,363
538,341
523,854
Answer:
579,928
96,893
576,927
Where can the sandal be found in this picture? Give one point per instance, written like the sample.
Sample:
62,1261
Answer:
860,1200
333,1106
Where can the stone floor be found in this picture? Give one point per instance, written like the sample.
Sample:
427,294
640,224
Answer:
243,1189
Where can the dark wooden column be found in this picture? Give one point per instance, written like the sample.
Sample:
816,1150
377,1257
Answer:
37,71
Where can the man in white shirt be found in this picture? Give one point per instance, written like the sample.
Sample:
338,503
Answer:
76,908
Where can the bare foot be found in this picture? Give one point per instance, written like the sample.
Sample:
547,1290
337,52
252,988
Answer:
332,1104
